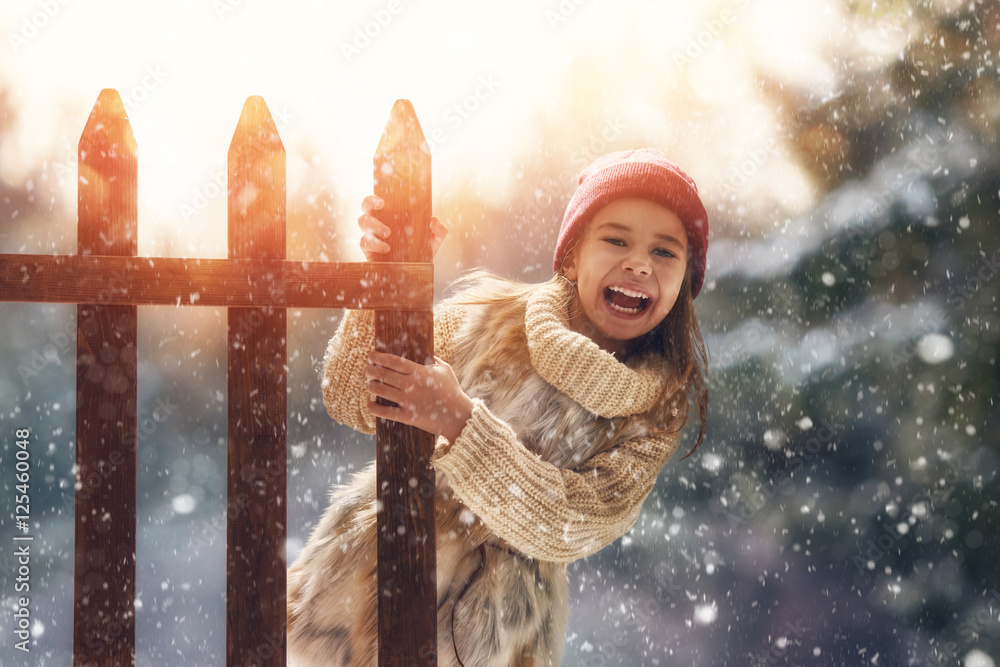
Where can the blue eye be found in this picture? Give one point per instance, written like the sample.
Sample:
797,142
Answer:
663,252
614,241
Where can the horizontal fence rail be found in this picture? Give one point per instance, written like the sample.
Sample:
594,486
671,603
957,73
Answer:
171,281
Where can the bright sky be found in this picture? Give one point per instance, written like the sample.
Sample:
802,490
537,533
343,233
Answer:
496,83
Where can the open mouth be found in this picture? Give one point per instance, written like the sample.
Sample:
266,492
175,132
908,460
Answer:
626,301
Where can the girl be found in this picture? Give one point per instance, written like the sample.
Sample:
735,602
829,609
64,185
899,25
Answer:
556,405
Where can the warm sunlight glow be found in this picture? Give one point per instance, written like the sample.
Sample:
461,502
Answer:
486,103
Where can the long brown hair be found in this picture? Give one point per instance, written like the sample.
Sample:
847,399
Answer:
678,339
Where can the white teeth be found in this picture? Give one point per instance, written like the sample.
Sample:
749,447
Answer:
628,311
628,292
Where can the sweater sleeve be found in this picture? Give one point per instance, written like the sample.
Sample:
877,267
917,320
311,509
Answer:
543,511
344,391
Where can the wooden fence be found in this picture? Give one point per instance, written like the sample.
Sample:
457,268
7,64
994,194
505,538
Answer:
256,283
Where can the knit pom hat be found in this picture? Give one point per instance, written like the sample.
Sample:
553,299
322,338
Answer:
646,174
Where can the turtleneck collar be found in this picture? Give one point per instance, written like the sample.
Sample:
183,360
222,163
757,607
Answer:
575,365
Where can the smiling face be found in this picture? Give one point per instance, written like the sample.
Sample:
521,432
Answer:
628,264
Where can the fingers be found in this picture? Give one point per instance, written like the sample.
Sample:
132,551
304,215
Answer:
439,231
391,377
396,414
391,386
394,394
427,397
373,229
373,247
371,203
393,362
382,411
372,243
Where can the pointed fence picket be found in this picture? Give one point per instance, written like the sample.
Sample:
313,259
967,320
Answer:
256,283
106,412
406,554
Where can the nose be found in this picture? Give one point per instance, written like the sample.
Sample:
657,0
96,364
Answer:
637,263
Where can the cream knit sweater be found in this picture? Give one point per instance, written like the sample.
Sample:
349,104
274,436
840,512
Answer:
544,511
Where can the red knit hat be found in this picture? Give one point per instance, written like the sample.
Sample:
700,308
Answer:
646,174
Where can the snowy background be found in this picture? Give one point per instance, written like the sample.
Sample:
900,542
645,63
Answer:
843,510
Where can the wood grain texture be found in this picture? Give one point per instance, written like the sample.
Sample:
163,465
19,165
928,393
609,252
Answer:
167,281
106,413
407,593
257,404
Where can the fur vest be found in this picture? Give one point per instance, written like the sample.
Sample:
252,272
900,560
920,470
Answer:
514,612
